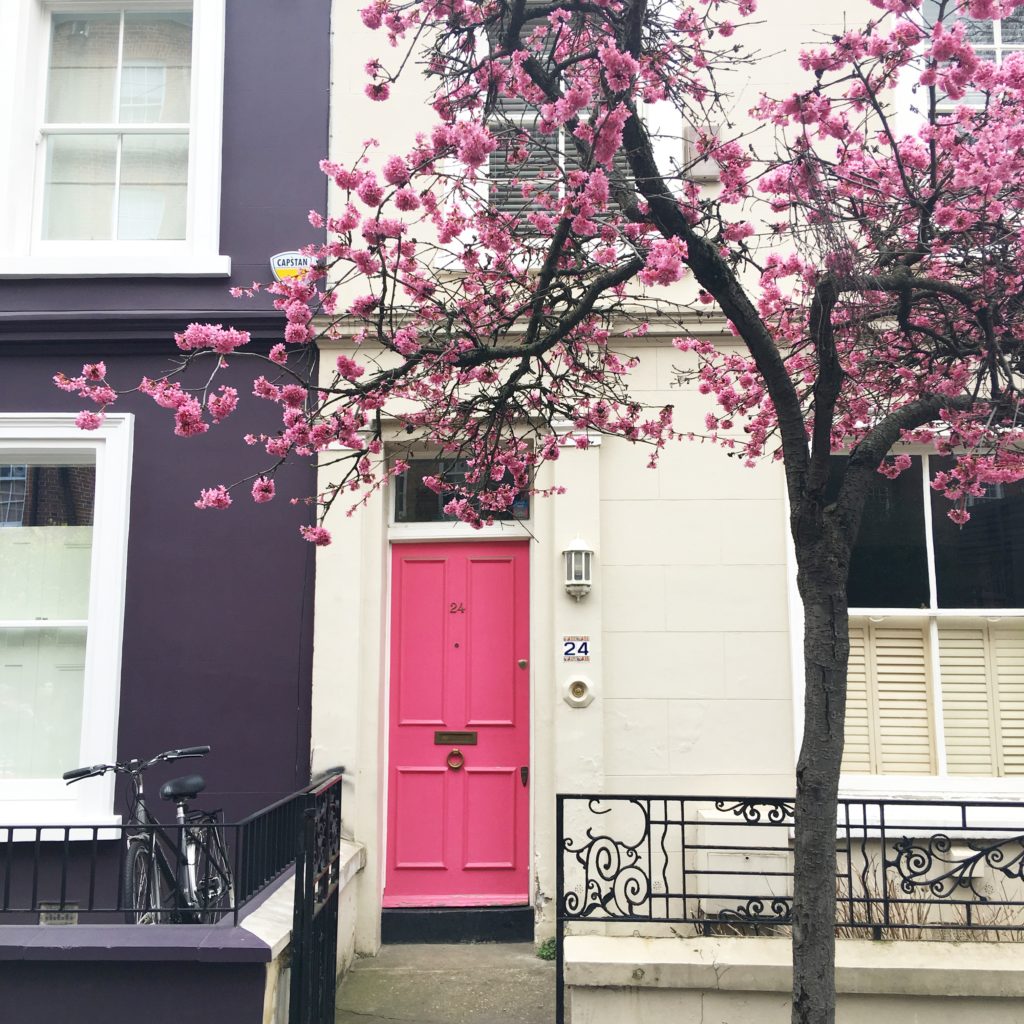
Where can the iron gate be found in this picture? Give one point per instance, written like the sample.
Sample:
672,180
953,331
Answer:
315,925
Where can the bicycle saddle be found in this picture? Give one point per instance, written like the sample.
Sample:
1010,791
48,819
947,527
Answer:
188,787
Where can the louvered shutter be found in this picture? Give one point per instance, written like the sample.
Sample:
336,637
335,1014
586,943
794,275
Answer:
968,701
888,729
1008,659
858,746
903,710
516,118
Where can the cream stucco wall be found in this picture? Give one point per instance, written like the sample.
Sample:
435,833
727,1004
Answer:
688,619
690,612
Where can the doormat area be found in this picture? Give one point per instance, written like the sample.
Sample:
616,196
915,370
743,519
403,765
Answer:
457,924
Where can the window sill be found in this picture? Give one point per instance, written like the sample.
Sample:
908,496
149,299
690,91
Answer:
969,788
127,265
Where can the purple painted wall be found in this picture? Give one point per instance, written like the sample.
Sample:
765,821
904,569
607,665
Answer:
219,605
124,993
276,84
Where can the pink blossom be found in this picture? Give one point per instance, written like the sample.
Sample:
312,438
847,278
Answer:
474,143
89,420
373,15
211,336
396,171
214,497
316,535
407,199
349,368
188,419
223,403
296,334
262,490
369,191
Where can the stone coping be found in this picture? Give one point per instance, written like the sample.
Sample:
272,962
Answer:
263,931
760,964
271,919
137,942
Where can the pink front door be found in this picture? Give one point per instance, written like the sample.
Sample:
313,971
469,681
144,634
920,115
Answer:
459,733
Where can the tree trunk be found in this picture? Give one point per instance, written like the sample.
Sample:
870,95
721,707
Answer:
826,652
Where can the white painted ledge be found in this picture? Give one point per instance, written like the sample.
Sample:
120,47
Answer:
115,266
271,921
993,970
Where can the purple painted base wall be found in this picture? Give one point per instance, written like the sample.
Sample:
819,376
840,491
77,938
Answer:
130,993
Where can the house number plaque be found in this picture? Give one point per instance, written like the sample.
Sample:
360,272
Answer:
467,739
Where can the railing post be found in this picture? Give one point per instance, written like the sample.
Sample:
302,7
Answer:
559,902
302,919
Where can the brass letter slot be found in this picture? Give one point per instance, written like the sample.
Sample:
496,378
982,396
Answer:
467,739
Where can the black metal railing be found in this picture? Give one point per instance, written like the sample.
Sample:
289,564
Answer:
920,869
314,972
74,873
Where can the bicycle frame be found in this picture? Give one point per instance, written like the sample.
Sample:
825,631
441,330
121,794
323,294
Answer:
170,886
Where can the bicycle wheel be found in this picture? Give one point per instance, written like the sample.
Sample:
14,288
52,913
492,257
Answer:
214,886
140,893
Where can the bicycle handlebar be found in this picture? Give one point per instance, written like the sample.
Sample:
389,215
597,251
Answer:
134,767
173,755
80,773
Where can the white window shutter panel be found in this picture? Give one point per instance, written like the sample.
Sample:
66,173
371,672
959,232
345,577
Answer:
968,704
1007,646
899,656
858,746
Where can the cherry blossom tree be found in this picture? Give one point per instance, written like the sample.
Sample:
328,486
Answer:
863,243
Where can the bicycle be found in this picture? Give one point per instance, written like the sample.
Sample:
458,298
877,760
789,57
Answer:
180,879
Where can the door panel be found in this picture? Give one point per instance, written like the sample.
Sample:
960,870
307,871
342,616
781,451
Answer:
458,811
420,799
422,655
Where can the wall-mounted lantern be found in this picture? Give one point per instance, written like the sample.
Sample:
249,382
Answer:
579,569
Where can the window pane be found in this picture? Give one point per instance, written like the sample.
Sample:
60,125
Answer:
154,187
980,565
12,495
80,171
1011,29
157,67
44,562
41,682
83,66
979,33
889,568
417,503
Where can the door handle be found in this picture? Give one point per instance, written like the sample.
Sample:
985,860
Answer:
455,759
524,774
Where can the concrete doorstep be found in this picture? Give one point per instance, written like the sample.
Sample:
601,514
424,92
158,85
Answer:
486,983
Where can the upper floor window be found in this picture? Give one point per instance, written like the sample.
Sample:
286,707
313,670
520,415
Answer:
123,133
117,126
992,39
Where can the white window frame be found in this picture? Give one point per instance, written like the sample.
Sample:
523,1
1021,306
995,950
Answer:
24,62
44,436
940,785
